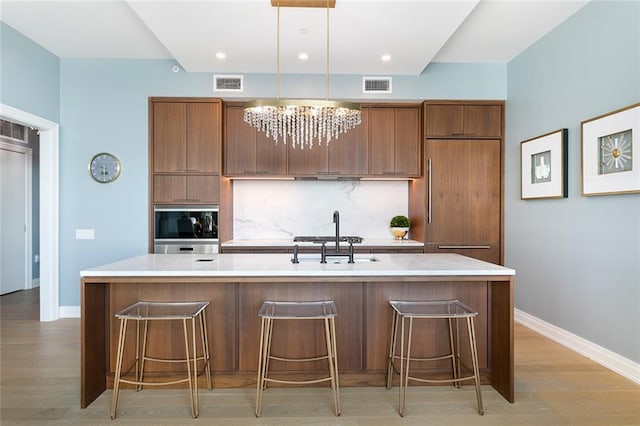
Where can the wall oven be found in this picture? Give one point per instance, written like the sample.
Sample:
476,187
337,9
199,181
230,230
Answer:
185,229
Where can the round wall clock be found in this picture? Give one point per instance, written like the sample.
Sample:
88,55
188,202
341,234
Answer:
104,167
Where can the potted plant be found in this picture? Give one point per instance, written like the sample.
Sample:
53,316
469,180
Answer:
400,226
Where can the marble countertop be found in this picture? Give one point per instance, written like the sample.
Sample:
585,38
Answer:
366,242
274,265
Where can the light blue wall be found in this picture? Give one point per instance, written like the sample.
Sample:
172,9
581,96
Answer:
29,75
577,259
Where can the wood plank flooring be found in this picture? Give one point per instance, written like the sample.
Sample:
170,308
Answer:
40,385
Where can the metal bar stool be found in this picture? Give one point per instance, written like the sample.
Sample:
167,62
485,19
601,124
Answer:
321,310
167,311
447,309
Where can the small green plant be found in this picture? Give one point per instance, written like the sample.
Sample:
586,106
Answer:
400,222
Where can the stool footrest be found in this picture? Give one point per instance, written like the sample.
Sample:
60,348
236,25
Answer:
320,358
297,382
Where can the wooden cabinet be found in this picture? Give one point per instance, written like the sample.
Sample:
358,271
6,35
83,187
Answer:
477,120
186,137
394,133
458,204
184,150
248,151
385,144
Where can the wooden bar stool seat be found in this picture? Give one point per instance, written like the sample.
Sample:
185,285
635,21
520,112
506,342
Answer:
143,312
451,310
322,311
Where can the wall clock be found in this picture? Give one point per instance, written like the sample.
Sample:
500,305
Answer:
104,167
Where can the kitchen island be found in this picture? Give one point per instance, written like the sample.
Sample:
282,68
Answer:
237,284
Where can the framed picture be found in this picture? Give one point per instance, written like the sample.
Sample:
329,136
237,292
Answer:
543,166
610,148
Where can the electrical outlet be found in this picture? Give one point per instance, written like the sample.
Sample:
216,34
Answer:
85,234
36,258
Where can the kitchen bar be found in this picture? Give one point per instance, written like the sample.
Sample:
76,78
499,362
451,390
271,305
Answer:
237,284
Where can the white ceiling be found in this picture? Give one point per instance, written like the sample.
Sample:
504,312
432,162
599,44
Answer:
413,32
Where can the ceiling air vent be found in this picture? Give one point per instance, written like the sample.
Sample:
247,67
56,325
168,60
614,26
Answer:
376,84
15,132
227,83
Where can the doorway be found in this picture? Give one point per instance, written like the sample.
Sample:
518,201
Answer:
49,207
15,218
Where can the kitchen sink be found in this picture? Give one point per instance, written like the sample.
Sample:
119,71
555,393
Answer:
315,258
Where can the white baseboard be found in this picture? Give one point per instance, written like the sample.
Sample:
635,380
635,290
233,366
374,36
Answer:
35,282
611,360
69,312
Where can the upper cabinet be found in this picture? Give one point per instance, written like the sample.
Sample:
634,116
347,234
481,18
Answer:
186,137
385,144
395,141
474,119
184,150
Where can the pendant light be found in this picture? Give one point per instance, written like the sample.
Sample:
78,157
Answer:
299,122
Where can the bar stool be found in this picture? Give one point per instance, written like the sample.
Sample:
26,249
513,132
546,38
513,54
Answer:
448,309
321,310
164,311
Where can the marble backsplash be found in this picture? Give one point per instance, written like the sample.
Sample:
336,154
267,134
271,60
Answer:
281,209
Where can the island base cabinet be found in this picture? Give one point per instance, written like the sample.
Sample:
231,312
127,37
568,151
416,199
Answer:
363,326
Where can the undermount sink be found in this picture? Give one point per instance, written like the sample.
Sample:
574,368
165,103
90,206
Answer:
315,258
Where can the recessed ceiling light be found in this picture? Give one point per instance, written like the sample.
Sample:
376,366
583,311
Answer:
386,57
221,55
303,56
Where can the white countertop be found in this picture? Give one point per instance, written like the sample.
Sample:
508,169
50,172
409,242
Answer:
274,265
366,242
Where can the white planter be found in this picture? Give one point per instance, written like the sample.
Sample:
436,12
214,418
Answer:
399,233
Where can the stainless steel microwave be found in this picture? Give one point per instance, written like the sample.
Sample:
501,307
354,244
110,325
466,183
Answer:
185,229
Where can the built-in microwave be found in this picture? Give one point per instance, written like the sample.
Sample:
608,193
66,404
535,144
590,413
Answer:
185,229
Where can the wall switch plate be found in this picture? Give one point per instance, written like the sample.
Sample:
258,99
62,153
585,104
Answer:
36,258
85,234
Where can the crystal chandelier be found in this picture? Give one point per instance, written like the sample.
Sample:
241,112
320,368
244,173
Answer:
301,122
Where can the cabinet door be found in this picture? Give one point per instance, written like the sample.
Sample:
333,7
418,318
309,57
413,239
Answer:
169,137
407,141
469,121
239,143
463,203
203,137
349,155
382,134
483,121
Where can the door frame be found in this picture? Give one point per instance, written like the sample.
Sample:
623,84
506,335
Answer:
49,162
28,212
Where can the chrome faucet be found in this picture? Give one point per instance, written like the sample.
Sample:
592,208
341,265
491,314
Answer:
336,220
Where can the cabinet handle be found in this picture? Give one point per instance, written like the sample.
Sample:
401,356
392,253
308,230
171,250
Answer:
463,247
429,191
193,170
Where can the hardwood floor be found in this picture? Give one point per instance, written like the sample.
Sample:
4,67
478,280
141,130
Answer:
554,386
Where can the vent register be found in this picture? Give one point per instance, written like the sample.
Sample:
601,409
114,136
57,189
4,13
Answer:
234,83
13,131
